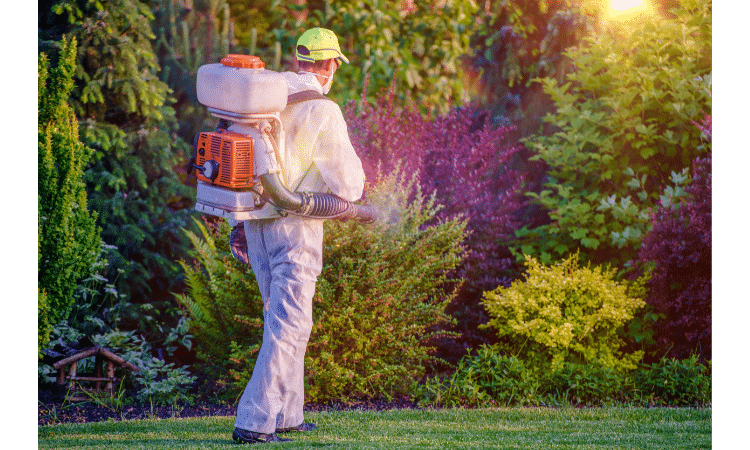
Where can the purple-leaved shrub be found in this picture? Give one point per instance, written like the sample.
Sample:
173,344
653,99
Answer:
679,250
466,161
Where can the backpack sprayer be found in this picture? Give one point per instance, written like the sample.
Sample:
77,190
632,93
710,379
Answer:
238,165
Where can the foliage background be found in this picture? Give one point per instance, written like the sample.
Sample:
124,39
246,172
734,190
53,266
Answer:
623,131
188,35
133,179
419,44
517,60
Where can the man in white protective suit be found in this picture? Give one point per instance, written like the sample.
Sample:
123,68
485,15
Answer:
286,252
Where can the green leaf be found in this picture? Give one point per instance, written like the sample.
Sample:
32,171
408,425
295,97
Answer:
633,183
578,233
647,152
591,243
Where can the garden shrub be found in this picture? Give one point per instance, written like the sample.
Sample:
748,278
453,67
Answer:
565,313
380,294
458,155
222,300
483,379
587,384
675,382
678,251
68,236
622,126
467,162
487,377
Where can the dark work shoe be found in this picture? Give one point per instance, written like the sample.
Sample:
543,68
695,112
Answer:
300,427
251,437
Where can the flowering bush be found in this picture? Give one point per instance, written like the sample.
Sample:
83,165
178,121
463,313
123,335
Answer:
679,250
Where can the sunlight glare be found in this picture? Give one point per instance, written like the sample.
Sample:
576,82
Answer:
627,10
620,5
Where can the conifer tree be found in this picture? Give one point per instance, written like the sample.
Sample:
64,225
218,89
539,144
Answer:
69,241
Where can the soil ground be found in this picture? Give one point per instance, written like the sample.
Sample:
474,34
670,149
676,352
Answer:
53,410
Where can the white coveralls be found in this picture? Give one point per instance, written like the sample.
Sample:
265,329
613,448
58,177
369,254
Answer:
286,257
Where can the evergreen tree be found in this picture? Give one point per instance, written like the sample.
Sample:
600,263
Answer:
190,35
134,181
69,242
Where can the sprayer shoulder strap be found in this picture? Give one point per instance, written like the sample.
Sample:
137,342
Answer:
303,96
299,97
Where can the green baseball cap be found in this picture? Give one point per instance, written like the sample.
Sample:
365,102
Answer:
317,44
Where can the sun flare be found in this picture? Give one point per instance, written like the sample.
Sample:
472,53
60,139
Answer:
621,5
627,10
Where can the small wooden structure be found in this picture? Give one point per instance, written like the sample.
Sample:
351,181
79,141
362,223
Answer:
67,373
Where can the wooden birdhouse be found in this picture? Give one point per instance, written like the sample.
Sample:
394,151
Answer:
101,382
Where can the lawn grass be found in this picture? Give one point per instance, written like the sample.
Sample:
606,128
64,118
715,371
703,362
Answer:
504,428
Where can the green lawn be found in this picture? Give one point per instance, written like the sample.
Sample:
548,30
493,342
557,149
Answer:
506,428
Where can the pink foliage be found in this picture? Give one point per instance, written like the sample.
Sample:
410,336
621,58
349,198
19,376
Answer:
679,248
469,164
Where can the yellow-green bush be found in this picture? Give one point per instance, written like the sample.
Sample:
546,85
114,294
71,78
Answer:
68,235
43,320
565,313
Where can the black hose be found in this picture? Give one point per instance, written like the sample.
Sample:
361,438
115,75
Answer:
362,213
314,205
318,205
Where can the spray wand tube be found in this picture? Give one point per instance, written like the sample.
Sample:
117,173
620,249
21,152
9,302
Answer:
315,205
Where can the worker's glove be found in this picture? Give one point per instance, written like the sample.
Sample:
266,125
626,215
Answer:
238,243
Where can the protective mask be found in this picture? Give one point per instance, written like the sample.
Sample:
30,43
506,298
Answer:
327,86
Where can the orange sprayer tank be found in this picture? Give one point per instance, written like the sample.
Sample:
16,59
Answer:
234,154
